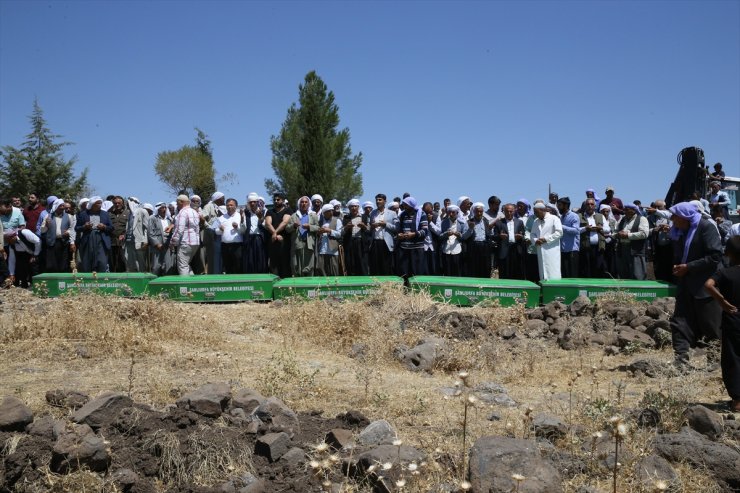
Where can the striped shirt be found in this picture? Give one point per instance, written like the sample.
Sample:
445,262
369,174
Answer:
187,228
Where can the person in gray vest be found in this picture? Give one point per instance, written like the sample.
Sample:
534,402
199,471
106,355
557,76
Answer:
57,233
158,235
632,234
302,227
330,231
593,227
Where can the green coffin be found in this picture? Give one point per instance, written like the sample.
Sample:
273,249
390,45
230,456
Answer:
336,287
119,284
214,288
566,290
467,291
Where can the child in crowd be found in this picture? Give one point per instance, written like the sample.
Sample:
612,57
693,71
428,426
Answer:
724,286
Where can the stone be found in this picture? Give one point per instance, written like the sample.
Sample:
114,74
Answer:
720,460
294,457
14,414
549,427
376,433
272,445
44,427
553,309
603,448
423,356
654,311
604,339
535,314
625,315
573,339
398,456
705,421
340,439
277,416
493,460
648,418
354,418
246,399
580,306
643,320
461,325
493,393
209,400
627,336
611,350
655,468
70,399
102,410
507,332
78,446
249,483
649,367
125,478
536,328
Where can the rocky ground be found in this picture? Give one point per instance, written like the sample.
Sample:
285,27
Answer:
393,393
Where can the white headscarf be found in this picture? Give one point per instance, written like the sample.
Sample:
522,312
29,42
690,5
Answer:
318,197
56,204
353,202
92,201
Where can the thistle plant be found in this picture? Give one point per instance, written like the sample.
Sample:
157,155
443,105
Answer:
619,432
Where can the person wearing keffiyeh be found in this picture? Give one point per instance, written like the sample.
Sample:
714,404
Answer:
698,252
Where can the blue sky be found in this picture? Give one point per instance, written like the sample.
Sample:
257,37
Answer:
442,98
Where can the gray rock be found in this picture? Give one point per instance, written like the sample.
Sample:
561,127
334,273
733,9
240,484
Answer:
580,306
654,311
536,328
611,350
249,483
102,410
549,427
602,323
493,460
125,479
559,327
209,400
625,315
423,356
655,468
721,461
627,336
70,399
277,416
294,458
535,314
398,456
553,309
705,421
573,339
376,433
507,332
247,399
648,418
643,320
14,414
604,339
44,427
79,447
649,367
493,393
340,439
272,445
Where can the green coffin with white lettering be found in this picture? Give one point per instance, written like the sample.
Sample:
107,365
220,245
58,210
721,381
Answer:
214,288
119,284
341,287
567,290
468,291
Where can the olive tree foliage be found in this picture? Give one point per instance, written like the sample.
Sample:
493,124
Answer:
39,165
310,154
188,169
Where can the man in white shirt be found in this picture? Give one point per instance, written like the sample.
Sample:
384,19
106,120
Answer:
546,233
227,227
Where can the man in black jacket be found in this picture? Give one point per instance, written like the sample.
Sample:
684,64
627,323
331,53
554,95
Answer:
697,253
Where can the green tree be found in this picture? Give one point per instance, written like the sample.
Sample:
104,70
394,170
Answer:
310,155
39,165
188,169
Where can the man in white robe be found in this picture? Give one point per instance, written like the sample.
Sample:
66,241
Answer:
546,233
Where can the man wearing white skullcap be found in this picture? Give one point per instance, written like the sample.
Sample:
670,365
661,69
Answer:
545,236
209,212
478,236
186,237
463,202
56,235
161,258
253,229
330,231
354,241
383,224
137,241
316,202
94,230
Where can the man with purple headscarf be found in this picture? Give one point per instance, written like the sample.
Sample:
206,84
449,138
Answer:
697,253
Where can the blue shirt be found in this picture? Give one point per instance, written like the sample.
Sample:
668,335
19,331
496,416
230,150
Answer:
571,240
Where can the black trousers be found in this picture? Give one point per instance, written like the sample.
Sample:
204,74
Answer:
381,259
591,262
451,264
22,269
695,322
479,259
663,262
231,258
57,257
280,257
569,264
411,262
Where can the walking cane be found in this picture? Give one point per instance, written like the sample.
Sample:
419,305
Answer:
341,260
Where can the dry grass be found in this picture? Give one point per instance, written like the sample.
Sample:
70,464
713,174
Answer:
300,351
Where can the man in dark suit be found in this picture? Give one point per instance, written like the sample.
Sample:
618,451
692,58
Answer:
508,233
697,253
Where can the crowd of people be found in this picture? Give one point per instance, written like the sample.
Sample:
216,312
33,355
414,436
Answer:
598,238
